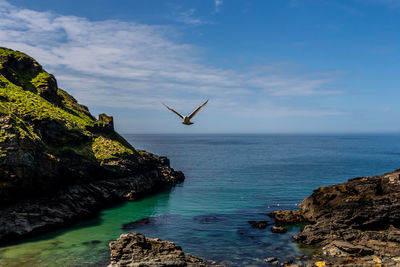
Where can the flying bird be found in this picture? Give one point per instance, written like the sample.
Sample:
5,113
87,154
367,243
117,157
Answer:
186,119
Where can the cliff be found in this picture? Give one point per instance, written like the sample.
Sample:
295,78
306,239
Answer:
356,222
59,164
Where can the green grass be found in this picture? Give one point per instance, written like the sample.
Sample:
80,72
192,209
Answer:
40,80
106,149
26,105
21,103
5,52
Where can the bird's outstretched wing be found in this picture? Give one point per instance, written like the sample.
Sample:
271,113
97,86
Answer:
174,111
197,110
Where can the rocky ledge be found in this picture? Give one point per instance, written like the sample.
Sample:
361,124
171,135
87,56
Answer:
135,249
355,223
58,163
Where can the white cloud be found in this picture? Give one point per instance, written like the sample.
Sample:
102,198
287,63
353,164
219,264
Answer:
130,65
218,3
188,17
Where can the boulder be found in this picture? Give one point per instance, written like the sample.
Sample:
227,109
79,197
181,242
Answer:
136,250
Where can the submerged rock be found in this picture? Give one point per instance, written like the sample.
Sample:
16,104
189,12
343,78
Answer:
259,224
211,218
134,224
278,230
357,219
135,249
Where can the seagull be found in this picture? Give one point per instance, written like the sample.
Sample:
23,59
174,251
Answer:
186,119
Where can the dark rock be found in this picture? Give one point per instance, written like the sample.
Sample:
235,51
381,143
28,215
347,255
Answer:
259,224
283,217
278,229
286,263
271,259
105,125
342,248
92,243
134,224
134,249
83,199
48,90
211,218
355,219
107,121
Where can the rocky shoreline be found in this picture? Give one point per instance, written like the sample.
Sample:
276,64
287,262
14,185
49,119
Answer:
356,223
84,199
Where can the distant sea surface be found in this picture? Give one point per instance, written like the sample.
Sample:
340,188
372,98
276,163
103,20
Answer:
230,179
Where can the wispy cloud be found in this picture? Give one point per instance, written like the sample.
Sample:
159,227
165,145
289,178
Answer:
188,17
218,4
126,64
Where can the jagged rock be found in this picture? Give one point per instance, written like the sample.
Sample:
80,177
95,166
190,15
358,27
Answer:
287,217
136,250
342,248
354,219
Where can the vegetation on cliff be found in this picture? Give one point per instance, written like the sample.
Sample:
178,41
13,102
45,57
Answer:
40,124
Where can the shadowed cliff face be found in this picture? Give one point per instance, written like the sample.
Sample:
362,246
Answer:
52,150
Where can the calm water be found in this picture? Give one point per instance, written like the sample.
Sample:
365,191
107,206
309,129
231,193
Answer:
230,179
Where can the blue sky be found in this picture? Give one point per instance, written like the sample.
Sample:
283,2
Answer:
282,66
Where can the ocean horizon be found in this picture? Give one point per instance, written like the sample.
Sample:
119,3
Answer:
230,179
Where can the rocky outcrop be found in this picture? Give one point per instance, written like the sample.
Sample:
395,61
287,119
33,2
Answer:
58,164
283,217
134,249
359,219
83,198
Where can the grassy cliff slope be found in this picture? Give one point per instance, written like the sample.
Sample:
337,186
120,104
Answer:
45,133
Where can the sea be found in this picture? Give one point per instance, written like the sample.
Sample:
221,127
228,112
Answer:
230,180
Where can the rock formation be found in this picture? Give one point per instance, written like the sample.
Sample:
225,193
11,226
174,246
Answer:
134,249
58,164
359,219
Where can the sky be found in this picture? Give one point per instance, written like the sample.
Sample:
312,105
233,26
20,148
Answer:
276,66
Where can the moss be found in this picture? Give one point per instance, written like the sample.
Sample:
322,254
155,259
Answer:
84,149
28,106
105,149
40,80
21,76
4,52
25,109
72,106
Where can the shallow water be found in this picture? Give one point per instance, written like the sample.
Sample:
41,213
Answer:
230,179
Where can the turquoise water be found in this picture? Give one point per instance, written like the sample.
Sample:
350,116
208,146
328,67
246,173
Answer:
230,179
